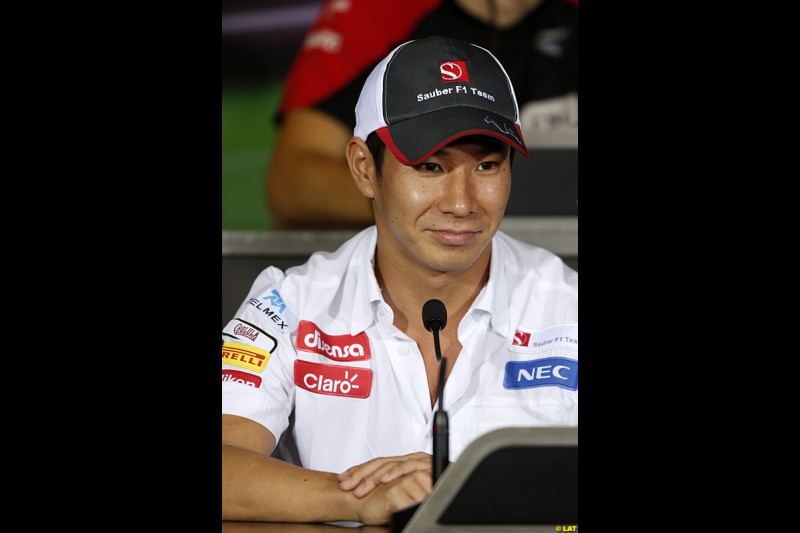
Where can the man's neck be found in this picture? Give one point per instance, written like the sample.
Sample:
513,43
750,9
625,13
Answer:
406,290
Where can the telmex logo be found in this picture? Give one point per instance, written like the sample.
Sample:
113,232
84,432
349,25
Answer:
245,378
546,372
337,347
247,357
454,71
334,380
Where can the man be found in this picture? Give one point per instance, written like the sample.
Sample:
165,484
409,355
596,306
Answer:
308,183
333,355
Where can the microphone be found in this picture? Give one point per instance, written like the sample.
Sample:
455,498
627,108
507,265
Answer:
434,317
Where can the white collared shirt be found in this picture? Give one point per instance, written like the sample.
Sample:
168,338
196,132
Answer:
319,340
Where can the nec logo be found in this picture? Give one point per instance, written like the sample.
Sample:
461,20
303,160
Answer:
337,347
454,71
547,372
244,378
334,380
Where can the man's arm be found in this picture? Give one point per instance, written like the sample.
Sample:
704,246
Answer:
257,487
309,184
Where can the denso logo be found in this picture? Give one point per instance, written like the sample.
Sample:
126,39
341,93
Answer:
241,377
545,372
337,347
333,380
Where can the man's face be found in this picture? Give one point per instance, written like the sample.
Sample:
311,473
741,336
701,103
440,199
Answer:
442,213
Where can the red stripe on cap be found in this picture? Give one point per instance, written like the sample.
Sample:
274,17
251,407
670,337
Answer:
386,137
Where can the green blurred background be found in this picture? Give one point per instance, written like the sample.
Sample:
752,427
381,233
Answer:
260,39
248,136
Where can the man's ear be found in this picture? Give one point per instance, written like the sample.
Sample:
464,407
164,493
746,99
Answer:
362,166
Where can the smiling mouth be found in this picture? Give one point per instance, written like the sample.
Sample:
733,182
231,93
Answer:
455,238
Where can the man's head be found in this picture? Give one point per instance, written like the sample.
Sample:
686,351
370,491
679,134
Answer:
446,175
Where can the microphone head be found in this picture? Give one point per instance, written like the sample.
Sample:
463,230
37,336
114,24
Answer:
434,315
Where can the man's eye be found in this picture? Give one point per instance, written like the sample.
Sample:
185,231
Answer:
429,167
487,165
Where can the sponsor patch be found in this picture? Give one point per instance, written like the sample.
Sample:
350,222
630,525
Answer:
239,330
336,347
245,378
247,357
563,336
547,372
271,305
335,380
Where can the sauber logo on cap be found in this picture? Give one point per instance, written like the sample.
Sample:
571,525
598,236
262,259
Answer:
337,347
245,378
335,380
247,357
454,71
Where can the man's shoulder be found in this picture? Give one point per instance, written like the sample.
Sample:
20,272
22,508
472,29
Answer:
326,264
523,259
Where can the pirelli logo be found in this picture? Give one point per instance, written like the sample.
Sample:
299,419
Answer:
247,357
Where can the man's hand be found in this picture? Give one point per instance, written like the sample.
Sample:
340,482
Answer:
364,478
390,496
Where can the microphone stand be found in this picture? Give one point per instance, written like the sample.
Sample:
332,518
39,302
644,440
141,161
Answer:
441,432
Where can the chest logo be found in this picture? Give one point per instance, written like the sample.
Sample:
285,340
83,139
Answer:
335,380
547,372
310,338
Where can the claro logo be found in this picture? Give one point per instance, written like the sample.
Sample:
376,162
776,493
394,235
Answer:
334,380
336,347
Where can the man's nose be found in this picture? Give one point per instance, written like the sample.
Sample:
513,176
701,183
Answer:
458,196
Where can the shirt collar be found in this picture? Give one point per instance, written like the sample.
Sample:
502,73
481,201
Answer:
493,298
362,285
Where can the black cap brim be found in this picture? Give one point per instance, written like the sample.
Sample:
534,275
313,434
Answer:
413,140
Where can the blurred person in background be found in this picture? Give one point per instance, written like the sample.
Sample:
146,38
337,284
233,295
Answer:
309,185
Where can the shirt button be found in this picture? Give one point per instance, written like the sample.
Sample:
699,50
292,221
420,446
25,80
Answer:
428,435
403,349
